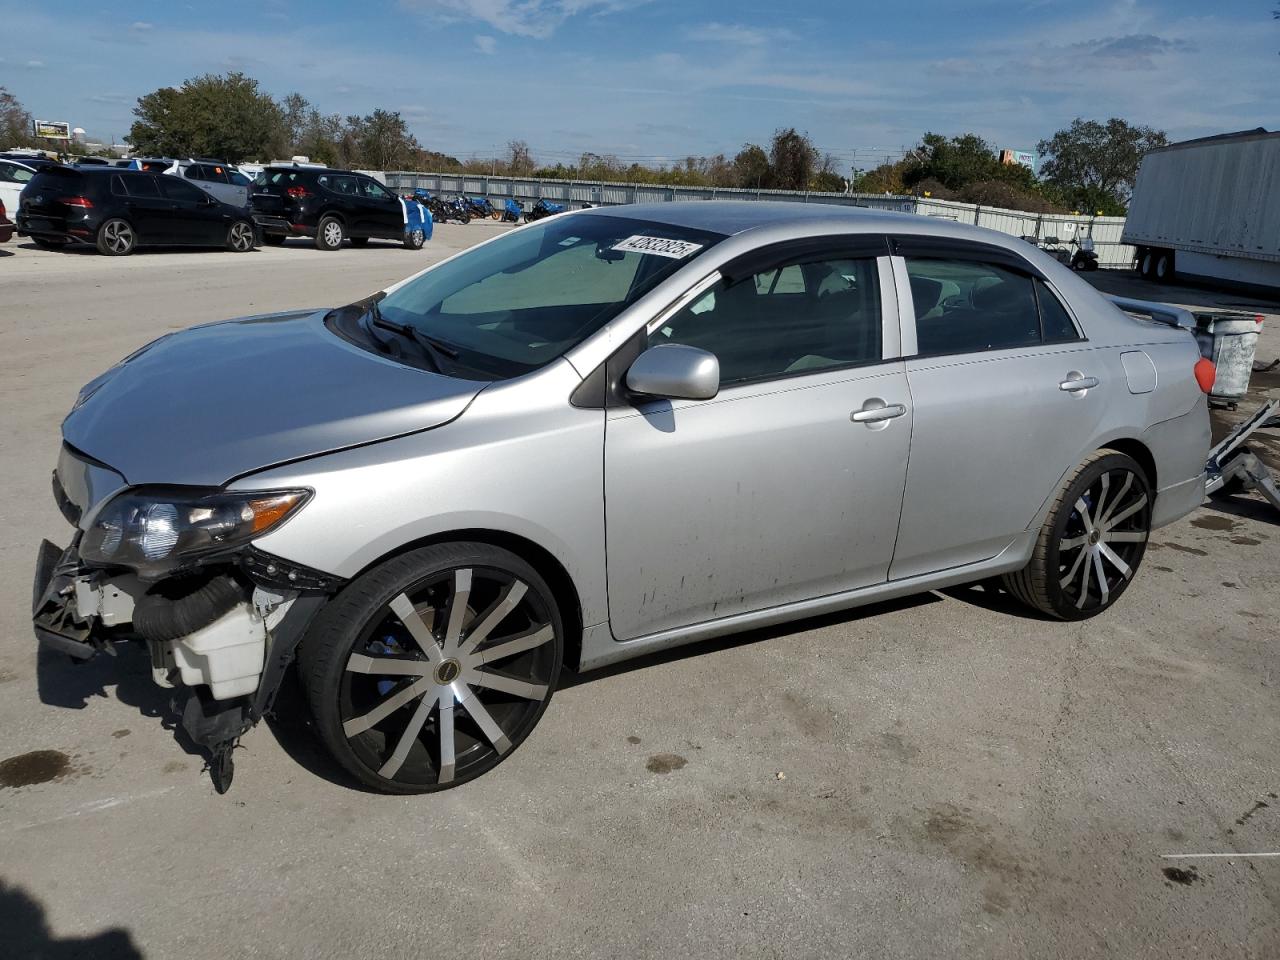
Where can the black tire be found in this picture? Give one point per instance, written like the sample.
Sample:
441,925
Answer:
273,240
359,241
466,217
241,237
415,239
116,238
1079,567
1163,270
45,243
366,713
1146,259
330,233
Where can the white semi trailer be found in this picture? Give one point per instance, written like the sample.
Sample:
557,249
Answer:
1209,209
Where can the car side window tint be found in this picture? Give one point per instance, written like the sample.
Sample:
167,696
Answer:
798,319
142,186
372,190
196,172
176,189
963,306
1054,318
237,178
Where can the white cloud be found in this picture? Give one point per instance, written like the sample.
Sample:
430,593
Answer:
734,33
485,43
522,18
140,26
34,64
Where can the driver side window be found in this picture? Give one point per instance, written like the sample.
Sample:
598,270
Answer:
784,321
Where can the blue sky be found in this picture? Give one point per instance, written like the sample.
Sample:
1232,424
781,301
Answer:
657,79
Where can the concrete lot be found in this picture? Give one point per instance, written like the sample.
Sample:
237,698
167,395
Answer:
938,777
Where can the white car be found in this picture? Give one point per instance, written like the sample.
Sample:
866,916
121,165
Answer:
13,177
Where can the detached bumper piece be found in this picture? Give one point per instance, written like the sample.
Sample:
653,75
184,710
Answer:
1231,462
57,623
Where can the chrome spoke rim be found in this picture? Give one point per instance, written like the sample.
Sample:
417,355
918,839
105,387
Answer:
1104,539
419,705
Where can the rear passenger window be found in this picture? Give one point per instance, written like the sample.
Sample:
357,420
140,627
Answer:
962,307
1053,316
141,186
801,318
196,172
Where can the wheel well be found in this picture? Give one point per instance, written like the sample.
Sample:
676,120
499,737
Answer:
562,587
1138,450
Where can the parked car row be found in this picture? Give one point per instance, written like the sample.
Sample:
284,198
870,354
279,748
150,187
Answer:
204,202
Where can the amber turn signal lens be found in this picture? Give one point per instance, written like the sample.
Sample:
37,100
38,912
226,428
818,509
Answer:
271,510
1206,374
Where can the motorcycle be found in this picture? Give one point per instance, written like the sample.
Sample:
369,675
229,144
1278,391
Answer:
510,212
442,209
543,208
479,207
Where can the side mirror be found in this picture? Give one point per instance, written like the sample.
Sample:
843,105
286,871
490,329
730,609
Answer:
675,371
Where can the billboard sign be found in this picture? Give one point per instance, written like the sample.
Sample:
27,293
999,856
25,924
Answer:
53,130
1022,158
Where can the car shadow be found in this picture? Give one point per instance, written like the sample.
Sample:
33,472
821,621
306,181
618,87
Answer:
745,638
71,684
1246,507
290,723
991,595
89,250
26,933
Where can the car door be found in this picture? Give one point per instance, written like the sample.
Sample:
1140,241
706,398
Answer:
1004,398
380,210
197,217
150,212
771,492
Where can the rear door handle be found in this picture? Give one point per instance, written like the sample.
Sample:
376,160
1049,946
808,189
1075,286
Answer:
1077,381
876,410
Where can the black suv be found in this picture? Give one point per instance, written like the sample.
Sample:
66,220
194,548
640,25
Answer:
327,205
118,210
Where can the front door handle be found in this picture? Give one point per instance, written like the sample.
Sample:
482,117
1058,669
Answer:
876,410
1077,382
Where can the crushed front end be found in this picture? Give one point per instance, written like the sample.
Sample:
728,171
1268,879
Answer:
175,570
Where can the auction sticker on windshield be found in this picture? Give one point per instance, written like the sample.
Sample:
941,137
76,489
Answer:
658,246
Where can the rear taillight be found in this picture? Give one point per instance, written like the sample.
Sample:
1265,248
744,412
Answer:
298,193
1206,373
82,202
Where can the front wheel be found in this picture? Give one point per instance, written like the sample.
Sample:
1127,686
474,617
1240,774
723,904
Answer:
414,239
430,669
1091,543
240,236
116,238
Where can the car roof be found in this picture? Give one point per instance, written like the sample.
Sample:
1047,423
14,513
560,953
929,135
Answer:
18,163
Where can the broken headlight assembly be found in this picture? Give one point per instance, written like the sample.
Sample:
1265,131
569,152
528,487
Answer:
157,531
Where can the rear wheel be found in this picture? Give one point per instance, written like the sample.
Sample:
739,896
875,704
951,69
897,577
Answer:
240,237
431,668
116,238
359,241
1163,269
330,234
1091,543
1145,262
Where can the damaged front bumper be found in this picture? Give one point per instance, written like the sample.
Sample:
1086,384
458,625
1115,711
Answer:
224,635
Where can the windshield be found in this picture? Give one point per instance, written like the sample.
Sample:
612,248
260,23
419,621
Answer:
515,304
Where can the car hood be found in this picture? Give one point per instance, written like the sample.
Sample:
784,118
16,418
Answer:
215,402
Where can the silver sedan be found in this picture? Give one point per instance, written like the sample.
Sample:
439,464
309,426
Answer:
600,435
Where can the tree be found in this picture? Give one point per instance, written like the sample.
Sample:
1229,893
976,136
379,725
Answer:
15,122
1094,164
793,160
382,140
519,159
221,116
751,166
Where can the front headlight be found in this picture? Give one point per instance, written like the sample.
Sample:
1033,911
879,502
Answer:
155,531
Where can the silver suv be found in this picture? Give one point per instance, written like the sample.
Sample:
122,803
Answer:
604,434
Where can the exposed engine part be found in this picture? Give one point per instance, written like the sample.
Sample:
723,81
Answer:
182,605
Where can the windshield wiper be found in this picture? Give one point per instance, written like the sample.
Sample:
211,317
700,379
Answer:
433,348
